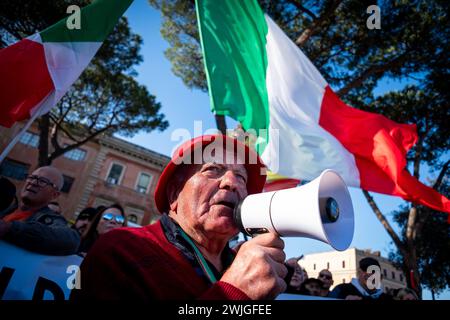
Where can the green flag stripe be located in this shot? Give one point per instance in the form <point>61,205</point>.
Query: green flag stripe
<point>97,21</point>
<point>233,36</point>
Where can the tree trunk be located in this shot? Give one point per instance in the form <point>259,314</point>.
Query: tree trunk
<point>410,264</point>
<point>44,126</point>
<point>221,124</point>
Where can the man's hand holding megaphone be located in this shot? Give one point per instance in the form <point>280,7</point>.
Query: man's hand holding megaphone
<point>258,269</point>
<point>321,209</point>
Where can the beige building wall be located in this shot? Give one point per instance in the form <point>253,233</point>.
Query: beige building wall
<point>343,266</point>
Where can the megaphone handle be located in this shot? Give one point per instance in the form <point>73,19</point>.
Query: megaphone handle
<point>253,232</point>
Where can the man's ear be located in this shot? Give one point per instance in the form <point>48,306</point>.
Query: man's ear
<point>173,206</point>
<point>172,196</point>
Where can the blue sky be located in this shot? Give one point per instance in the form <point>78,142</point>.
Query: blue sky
<point>183,106</point>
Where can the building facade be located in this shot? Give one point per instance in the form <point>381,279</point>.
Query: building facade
<point>344,265</point>
<point>101,172</point>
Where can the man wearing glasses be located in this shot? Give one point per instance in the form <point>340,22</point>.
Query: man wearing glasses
<point>185,255</point>
<point>327,279</point>
<point>32,225</point>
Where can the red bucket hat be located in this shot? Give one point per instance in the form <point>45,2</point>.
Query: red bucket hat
<point>253,164</point>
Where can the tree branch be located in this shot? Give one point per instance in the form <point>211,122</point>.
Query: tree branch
<point>61,151</point>
<point>72,137</point>
<point>54,137</point>
<point>316,23</point>
<point>384,221</point>
<point>303,9</point>
<point>376,69</point>
<point>15,34</point>
<point>441,176</point>
<point>411,226</point>
<point>64,115</point>
<point>417,156</point>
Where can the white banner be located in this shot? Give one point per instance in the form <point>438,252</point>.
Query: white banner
<point>26,275</point>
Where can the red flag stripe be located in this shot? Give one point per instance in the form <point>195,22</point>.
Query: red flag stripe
<point>24,80</point>
<point>379,146</point>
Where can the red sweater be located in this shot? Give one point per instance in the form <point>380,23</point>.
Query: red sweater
<point>140,264</point>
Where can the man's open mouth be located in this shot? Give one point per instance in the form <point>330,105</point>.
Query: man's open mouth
<point>229,204</point>
<point>31,190</point>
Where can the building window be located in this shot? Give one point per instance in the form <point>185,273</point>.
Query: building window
<point>401,278</point>
<point>30,139</point>
<point>67,185</point>
<point>114,173</point>
<point>143,182</point>
<point>314,266</point>
<point>75,154</point>
<point>343,264</point>
<point>13,169</point>
<point>393,275</point>
<point>132,218</point>
<point>385,273</point>
<point>328,265</point>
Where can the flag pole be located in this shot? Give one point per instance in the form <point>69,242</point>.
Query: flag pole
<point>16,139</point>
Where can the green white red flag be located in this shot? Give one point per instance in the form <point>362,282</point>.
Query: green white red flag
<point>37,71</point>
<point>259,77</point>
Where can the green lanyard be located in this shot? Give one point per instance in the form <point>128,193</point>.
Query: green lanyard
<point>201,260</point>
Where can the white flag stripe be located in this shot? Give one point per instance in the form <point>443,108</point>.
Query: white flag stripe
<point>295,90</point>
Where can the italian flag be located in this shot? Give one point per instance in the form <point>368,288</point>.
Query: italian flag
<point>259,77</point>
<point>37,71</point>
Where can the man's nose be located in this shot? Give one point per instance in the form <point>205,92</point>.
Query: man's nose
<point>33,183</point>
<point>230,181</point>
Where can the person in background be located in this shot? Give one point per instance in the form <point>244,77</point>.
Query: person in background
<point>311,287</point>
<point>405,294</point>
<point>327,279</point>
<point>84,219</point>
<point>33,225</point>
<point>105,220</point>
<point>8,199</point>
<point>295,277</point>
<point>359,288</point>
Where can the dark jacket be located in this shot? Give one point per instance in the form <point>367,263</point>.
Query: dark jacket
<point>44,232</point>
<point>347,289</point>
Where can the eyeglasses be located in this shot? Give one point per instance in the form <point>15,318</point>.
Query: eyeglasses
<point>325,276</point>
<point>110,216</point>
<point>41,181</point>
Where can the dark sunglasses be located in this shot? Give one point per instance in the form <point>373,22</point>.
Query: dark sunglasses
<point>41,181</point>
<point>325,276</point>
<point>110,216</point>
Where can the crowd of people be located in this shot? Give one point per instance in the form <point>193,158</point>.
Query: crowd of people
<point>34,222</point>
<point>357,289</point>
<point>186,253</point>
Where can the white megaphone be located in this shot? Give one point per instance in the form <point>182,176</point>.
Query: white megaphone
<point>321,210</point>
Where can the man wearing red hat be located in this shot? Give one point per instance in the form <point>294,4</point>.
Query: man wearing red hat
<point>185,255</point>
